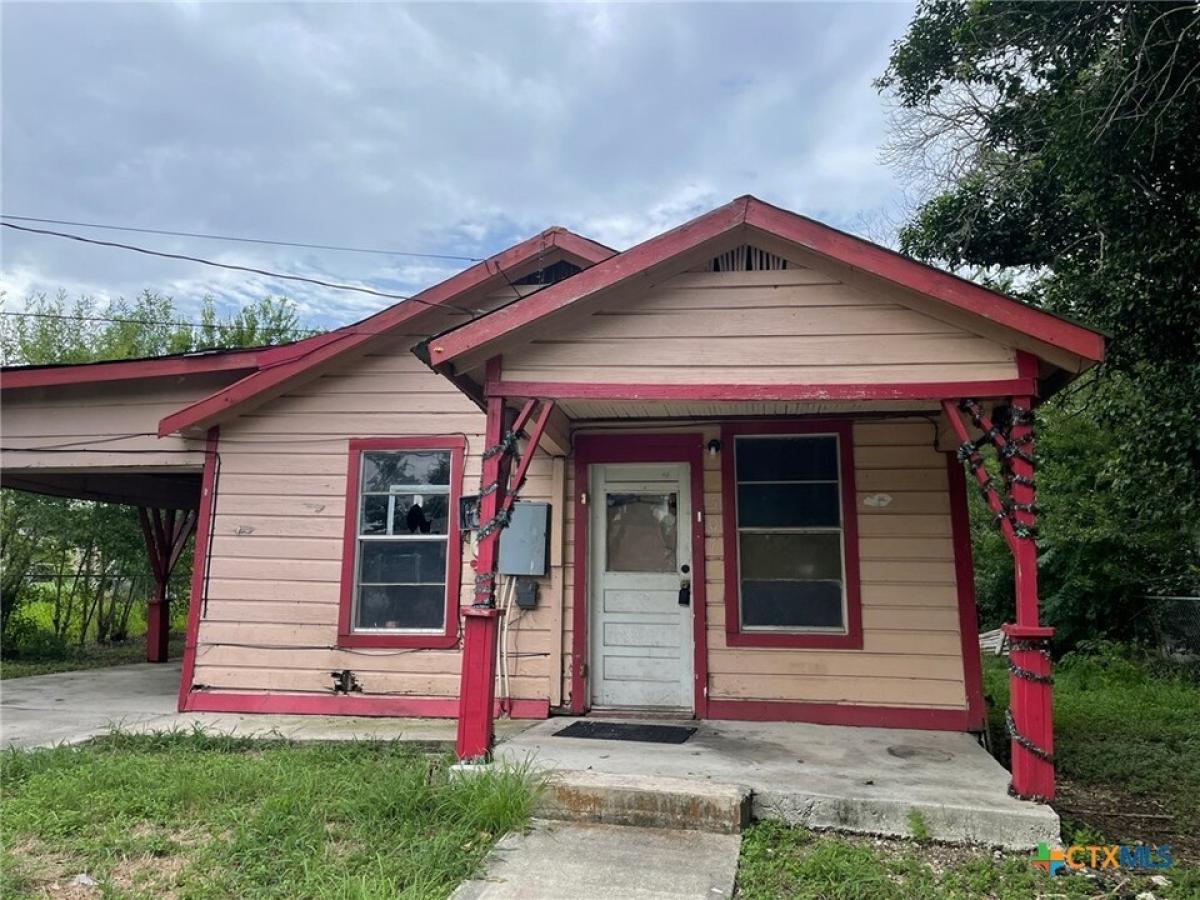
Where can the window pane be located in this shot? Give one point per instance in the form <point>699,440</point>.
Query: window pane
<point>792,604</point>
<point>404,562</point>
<point>383,469</point>
<point>787,459</point>
<point>401,606</point>
<point>783,556</point>
<point>411,513</point>
<point>641,532</point>
<point>788,506</point>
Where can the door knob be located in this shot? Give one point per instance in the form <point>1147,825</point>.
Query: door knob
<point>685,593</point>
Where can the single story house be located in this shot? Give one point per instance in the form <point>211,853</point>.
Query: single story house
<point>737,453</point>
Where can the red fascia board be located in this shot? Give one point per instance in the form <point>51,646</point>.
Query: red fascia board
<point>930,391</point>
<point>924,279</point>
<point>612,271</point>
<point>131,370</point>
<point>283,368</point>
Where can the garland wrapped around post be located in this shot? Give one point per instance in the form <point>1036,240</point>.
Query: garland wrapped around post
<point>1029,717</point>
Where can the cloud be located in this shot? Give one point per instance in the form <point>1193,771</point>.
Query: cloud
<point>446,128</point>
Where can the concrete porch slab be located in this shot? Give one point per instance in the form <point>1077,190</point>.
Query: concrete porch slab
<point>868,780</point>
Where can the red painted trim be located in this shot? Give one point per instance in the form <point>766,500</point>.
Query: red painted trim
<point>931,391</point>
<point>925,279</point>
<point>594,449</point>
<point>348,705</point>
<point>19,377</point>
<point>964,579</point>
<point>345,339</point>
<point>204,528</point>
<point>821,239</point>
<point>852,638</point>
<point>456,445</point>
<point>1027,368</point>
<point>925,718</point>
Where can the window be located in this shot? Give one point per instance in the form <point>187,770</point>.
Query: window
<point>402,551</point>
<point>791,557</point>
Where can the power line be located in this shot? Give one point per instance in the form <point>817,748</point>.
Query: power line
<point>208,262</point>
<point>243,240</point>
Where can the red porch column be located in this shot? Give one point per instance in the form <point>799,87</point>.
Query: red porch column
<point>477,688</point>
<point>165,532</point>
<point>1031,720</point>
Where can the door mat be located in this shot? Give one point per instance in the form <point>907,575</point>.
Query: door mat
<point>621,731</point>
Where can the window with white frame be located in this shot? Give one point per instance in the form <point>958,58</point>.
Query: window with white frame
<point>789,523</point>
<point>402,542</point>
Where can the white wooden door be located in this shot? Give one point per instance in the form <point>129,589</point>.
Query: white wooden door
<point>640,555</point>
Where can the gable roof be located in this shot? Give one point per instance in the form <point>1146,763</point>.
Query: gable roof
<point>750,213</point>
<point>279,371</point>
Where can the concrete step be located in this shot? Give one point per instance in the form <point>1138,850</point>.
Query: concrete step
<point>646,801</point>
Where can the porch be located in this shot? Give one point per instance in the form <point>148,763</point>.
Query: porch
<point>857,779</point>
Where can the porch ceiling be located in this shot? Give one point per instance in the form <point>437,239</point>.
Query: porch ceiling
<point>163,490</point>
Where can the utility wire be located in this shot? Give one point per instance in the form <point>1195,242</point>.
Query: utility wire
<point>208,262</point>
<point>243,240</point>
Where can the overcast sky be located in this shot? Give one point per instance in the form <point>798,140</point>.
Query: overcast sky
<point>456,129</point>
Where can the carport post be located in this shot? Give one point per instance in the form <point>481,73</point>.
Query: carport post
<point>166,533</point>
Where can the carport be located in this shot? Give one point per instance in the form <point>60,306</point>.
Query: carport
<point>89,432</point>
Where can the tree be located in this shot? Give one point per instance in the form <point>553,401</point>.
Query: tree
<point>1054,145</point>
<point>89,551</point>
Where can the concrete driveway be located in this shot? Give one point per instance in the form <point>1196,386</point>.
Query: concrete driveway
<point>69,707</point>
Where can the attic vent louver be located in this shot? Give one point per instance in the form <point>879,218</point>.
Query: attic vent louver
<point>747,259</point>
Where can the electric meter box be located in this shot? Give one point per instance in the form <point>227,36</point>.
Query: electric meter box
<point>525,540</point>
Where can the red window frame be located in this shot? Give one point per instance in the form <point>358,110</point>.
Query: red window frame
<point>456,445</point>
<point>852,637</point>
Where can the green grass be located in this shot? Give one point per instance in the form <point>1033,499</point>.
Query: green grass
<point>1127,743</point>
<point>1119,729</point>
<point>89,656</point>
<point>781,862</point>
<point>194,816</point>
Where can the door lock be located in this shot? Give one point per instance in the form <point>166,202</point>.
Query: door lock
<point>685,593</point>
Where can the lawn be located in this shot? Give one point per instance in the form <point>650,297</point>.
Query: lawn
<point>89,656</point>
<point>1127,742</point>
<point>185,815</point>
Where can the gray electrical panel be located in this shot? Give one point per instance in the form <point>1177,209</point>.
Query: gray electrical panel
<point>523,543</point>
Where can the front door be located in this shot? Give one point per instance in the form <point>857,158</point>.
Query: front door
<point>640,560</point>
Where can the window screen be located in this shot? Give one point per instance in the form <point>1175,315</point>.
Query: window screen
<point>789,530</point>
<point>403,523</point>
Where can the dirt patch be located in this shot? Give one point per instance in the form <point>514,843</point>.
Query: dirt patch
<point>1122,817</point>
<point>47,873</point>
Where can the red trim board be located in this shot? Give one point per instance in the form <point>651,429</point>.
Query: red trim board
<point>964,579</point>
<point>920,717</point>
<point>929,391</point>
<point>343,340</point>
<point>131,369</point>
<point>349,705</point>
<point>204,529</point>
<point>639,448</point>
<point>750,212</point>
<point>347,637</point>
<point>852,637</point>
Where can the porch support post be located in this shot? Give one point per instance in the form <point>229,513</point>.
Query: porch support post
<point>1029,719</point>
<point>477,688</point>
<point>165,533</point>
<point>1031,723</point>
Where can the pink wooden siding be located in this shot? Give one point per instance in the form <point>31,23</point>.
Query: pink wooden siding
<point>911,652</point>
<point>794,325</point>
<point>99,416</point>
<point>271,621</point>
